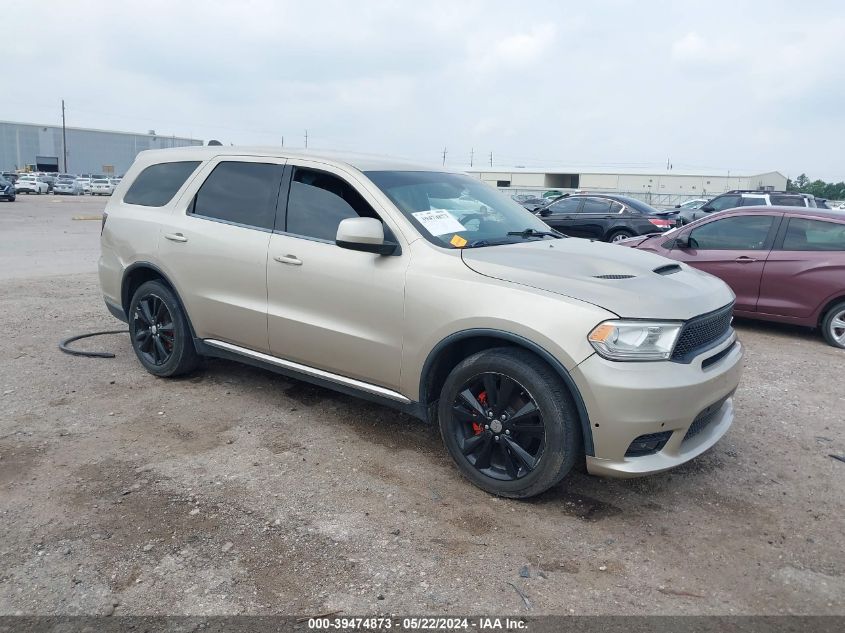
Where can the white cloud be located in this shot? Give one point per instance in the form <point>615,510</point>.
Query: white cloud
<point>733,85</point>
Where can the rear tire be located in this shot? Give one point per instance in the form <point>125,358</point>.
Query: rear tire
<point>833,325</point>
<point>520,440</point>
<point>618,236</point>
<point>159,331</point>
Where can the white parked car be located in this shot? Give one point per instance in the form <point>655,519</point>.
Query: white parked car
<point>102,187</point>
<point>67,186</point>
<point>692,204</point>
<point>85,183</point>
<point>30,183</point>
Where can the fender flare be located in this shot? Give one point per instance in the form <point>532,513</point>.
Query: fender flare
<point>523,342</point>
<point>125,299</point>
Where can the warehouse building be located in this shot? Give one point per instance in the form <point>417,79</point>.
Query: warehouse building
<point>669,182</point>
<point>88,151</point>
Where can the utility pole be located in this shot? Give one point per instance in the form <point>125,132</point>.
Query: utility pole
<point>64,140</point>
<point>471,154</point>
<point>491,159</point>
<point>283,141</point>
<point>306,139</point>
<point>444,156</point>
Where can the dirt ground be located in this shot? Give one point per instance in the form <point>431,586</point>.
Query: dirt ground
<point>237,491</point>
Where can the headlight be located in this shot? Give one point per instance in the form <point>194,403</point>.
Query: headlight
<point>635,340</point>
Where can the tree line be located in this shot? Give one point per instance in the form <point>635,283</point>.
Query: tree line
<point>818,188</point>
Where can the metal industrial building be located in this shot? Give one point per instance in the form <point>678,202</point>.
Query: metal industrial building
<point>684,184</point>
<point>88,151</point>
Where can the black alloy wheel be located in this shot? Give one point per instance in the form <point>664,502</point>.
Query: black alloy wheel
<point>159,330</point>
<point>500,431</point>
<point>509,423</point>
<point>154,330</point>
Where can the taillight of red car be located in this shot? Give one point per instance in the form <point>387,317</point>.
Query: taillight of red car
<point>661,223</point>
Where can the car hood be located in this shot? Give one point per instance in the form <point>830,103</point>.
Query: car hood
<point>621,280</point>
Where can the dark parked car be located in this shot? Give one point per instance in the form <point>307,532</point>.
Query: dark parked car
<point>50,179</point>
<point>7,189</point>
<point>784,264</point>
<point>605,217</point>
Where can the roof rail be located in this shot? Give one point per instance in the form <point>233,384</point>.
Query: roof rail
<point>761,191</point>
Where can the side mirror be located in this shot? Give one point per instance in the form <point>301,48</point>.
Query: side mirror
<point>545,212</point>
<point>363,234</point>
<point>682,241</point>
<point>707,208</point>
<point>677,206</point>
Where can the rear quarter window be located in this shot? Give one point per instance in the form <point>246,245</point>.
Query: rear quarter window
<point>157,184</point>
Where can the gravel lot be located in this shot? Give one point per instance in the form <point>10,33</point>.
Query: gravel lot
<point>235,490</point>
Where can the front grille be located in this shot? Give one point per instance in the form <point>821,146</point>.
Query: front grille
<point>702,332</point>
<point>703,419</point>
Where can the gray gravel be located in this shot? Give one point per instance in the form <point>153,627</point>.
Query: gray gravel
<point>237,491</point>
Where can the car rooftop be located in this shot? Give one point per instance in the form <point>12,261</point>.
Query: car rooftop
<point>361,162</point>
<point>829,214</point>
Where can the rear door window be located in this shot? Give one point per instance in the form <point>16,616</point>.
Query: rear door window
<point>814,235</point>
<point>754,201</point>
<point>596,205</point>
<point>240,193</point>
<point>157,184</point>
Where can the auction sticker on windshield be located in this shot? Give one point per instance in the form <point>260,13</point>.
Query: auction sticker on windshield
<point>439,222</point>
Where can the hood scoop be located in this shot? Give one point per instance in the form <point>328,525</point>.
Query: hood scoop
<point>614,276</point>
<point>668,269</point>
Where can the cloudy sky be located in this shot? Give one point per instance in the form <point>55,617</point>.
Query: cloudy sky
<point>710,85</point>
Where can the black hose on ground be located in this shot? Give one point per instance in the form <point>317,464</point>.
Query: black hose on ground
<point>63,345</point>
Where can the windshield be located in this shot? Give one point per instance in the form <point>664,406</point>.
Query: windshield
<point>457,211</point>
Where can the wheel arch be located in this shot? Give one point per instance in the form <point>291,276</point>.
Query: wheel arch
<point>840,298</point>
<point>142,272</point>
<point>458,346</point>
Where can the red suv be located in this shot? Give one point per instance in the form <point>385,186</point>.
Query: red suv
<point>783,263</point>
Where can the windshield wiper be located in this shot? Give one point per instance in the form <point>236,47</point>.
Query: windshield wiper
<point>534,233</point>
<point>488,242</point>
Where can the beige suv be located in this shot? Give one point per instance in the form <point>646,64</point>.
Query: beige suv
<point>428,291</point>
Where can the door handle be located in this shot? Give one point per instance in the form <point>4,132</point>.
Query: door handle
<point>744,260</point>
<point>292,260</point>
<point>175,237</point>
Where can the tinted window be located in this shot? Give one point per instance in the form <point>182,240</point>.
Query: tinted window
<point>724,202</point>
<point>243,193</point>
<point>814,235</point>
<point>595,205</point>
<point>567,205</point>
<point>753,202</point>
<point>788,201</point>
<point>319,201</point>
<point>635,205</point>
<point>157,184</point>
<point>745,232</point>
<point>616,207</point>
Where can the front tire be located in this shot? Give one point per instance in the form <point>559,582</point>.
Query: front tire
<point>508,422</point>
<point>159,330</point>
<point>833,326</point>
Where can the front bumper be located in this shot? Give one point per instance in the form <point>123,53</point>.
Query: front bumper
<point>626,400</point>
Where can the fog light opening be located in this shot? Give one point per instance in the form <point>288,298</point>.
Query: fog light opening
<point>648,444</point>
